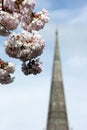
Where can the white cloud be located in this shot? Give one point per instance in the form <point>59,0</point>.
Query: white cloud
<point>23,108</point>
<point>81,16</point>
<point>77,62</point>
<point>76,97</point>
<point>72,35</point>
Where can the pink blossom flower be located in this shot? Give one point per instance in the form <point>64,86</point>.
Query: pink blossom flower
<point>19,6</point>
<point>6,68</point>
<point>6,79</point>
<point>32,67</point>
<point>9,21</point>
<point>35,21</point>
<point>25,45</point>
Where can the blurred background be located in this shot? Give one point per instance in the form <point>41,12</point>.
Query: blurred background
<point>24,103</point>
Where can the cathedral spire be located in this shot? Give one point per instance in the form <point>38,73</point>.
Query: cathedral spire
<point>57,115</point>
<point>56,46</point>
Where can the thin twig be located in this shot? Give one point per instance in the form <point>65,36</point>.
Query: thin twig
<point>3,5</point>
<point>5,28</point>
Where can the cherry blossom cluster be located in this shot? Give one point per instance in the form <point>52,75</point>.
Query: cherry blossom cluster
<point>12,12</point>
<point>26,45</point>
<point>32,67</point>
<point>6,69</point>
<point>7,22</point>
<point>35,21</point>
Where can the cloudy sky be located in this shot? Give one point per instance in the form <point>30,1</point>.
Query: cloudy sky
<point>24,103</point>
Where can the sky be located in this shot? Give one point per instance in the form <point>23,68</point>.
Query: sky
<point>24,103</point>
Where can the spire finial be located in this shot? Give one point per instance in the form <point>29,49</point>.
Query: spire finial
<point>56,32</point>
<point>56,54</point>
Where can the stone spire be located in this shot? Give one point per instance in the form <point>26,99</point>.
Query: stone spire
<point>57,115</point>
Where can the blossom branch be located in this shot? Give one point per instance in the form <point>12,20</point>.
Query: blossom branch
<point>3,5</point>
<point>5,28</point>
<point>27,45</point>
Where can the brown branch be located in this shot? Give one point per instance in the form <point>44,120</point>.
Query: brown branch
<point>3,5</point>
<point>5,28</point>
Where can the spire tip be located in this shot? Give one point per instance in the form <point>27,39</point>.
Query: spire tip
<point>56,31</point>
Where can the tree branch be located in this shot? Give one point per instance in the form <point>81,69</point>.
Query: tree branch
<point>3,5</point>
<point>5,28</point>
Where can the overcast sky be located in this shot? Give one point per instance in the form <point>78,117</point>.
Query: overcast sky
<point>24,103</point>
